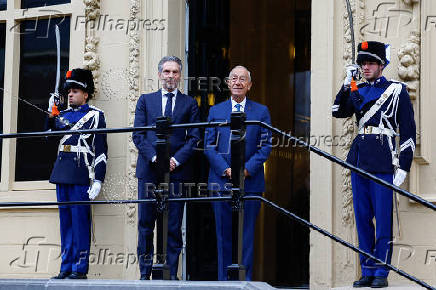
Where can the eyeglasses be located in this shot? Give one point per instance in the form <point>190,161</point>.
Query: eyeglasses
<point>235,78</point>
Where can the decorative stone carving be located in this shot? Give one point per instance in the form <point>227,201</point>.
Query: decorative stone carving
<point>91,59</point>
<point>410,2</point>
<point>347,129</point>
<point>409,56</point>
<point>92,9</point>
<point>348,133</point>
<point>133,82</point>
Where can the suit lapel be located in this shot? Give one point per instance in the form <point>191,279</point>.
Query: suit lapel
<point>158,103</point>
<point>248,109</point>
<point>229,109</point>
<point>178,105</point>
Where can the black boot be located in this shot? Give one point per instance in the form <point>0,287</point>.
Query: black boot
<point>61,275</point>
<point>77,275</point>
<point>365,281</point>
<point>379,282</point>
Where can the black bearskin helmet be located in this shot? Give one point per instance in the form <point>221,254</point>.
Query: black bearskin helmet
<point>372,51</point>
<point>80,79</point>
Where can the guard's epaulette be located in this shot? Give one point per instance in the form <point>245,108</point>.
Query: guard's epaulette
<point>67,110</point>
<point>96,109</point>
<point>398,82</point>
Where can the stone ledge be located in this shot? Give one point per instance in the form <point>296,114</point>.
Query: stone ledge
<point>391,287</point>
<point>37,284</point>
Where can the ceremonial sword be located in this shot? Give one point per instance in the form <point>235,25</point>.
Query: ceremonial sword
<point>55,94</point>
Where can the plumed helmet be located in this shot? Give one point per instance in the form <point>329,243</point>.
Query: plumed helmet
<point>372,51</point>
<point>79,79</point>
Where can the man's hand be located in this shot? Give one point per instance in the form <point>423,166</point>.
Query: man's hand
<point>246,173</point>
<point>352,71</point>
<point>94,190</point>
<point>173,164</point>
<point>399,177</point>
<point>228,172</point>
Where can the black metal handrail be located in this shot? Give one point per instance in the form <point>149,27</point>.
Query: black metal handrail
<point>347,165</point>
<point>228,198</point>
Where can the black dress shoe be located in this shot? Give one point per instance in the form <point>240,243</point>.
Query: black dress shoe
<point>174,277</point>
<point>365,281</point>
<point>144,277</point>
<point>61,275</point>
<point>379,282</point>
<point>77,275</point>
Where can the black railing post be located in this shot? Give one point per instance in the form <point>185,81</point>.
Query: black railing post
<point>160,269</point>
<point>236,271</point>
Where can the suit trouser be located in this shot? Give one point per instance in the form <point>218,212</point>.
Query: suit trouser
<point>147,215</point>
<point>373,200</point>
<point>75,228</point>
<point>223,222</point>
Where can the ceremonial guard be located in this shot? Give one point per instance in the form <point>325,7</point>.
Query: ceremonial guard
<point>79,170</point>
<point>383,111</point>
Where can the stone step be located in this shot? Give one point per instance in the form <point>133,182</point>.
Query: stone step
<point>393,287</point>
<point>40,284</point>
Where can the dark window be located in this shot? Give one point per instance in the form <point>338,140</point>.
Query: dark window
<point>35,157</point>
<point>2,78</point>
<point>3,5</point>
<point>41,3</point>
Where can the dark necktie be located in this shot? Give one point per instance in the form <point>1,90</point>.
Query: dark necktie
<point>169,105</point>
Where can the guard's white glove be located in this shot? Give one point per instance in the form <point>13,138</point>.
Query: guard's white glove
<point>94,190</point>
<point>399,177</point>
<point>352,71</point>
<point>51,102</point>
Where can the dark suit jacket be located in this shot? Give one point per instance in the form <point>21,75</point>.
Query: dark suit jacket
<point>183,142</point>
<point>257,148</point>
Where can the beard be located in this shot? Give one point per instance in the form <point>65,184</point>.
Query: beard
<point>170,84</point>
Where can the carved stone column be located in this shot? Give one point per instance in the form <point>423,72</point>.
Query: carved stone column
<point>348,132</point>
<point>91,59</point>
<point>133,81</point>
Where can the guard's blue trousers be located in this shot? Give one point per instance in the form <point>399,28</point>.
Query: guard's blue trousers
<point>147,215</point>
<point>223,223</point>
<point>75,224</point>
<point>373,200</point>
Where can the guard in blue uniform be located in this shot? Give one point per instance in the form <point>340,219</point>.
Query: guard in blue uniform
<point>383,111</point>
<point>78,172</point>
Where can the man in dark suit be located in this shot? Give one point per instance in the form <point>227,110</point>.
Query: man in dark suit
<point>217,150</point>
<point>172,103</point>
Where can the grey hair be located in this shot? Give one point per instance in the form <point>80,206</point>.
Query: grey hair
<point>169,58</point>
<point>241,66</point>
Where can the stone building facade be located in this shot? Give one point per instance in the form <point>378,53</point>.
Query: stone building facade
<point>122,42</point>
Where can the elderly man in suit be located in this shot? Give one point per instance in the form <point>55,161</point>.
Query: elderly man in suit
<point>257,150</point>
<point>180,108</point>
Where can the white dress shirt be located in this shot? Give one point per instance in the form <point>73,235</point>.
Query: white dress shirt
<point>165,99</point>
<point>164,104</point>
